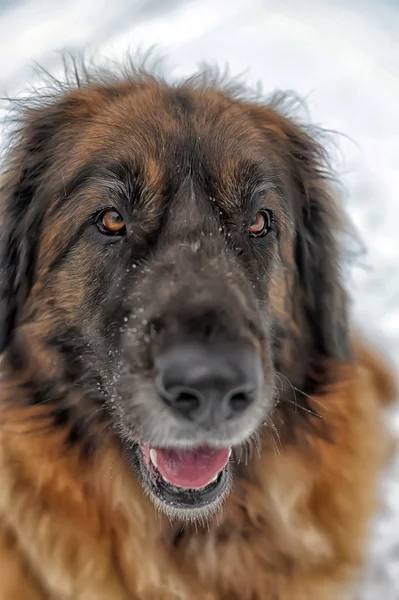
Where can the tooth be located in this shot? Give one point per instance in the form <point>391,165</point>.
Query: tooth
<point>153,456</point>
<point>230,451</point>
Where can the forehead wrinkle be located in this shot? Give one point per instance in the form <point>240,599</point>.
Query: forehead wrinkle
<point>88,176</point>
<point>240,185</point>
<point>98,179</point>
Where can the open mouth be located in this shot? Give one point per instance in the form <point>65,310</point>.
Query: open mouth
<point>186,479</point>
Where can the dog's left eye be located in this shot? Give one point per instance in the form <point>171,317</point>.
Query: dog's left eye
<point>110,222</point>
<point>261,224</point>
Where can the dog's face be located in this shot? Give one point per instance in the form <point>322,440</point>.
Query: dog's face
<point>168,252</point>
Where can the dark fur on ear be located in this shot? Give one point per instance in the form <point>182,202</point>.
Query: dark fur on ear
<point>21,221</point>
<point>317,255</point>
<point>22,199</point>
<point>318,300</point>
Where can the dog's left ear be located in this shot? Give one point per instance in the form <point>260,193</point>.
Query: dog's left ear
<point>317,255</point>
<point>317,223</point>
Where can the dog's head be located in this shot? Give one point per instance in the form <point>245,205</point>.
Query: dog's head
<point>168,258</point>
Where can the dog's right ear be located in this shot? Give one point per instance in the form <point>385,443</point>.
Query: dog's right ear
<point>23,195</point>
<point>21,214</point>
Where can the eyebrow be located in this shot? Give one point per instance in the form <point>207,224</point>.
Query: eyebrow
<point>114,178</point>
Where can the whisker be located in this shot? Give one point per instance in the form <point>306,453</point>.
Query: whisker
<point>295,402</point>
<point>307,410</point>
<point>290,384</point>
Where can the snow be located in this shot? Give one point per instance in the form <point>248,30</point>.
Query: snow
<point>342,56</point>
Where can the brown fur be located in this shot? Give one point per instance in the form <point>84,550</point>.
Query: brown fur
<point>295,531</point>
<point>74,522</point>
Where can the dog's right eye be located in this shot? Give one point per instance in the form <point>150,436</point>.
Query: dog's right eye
<point>110,222</point>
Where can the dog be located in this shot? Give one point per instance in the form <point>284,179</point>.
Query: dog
<point>186,410</point>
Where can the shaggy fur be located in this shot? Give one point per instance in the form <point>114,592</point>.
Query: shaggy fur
<point>83,320</point>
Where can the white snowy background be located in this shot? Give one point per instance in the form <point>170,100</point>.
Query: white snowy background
<point>342,56</point>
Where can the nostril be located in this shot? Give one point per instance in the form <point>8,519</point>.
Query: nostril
<point>186,400</point>
<point>240,401</point>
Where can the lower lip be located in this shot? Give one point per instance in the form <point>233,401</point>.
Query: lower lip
<point>186,469</point>
<point>184,498</point>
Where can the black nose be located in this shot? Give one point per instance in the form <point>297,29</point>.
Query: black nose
<point>208,385</point>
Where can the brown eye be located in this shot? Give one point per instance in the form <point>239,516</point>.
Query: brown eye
<point>261,224</point>
<point>110,222</point>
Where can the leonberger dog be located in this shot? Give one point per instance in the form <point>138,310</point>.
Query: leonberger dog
<point>186,411</point>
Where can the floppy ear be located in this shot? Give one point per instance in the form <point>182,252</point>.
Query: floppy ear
<point>22,203</point>
<point>16,266</point>
<point>317,256</point>
<point>317,221</point>
<point>20,218</point>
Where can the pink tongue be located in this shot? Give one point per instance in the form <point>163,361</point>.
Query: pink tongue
<point>191,468</point>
